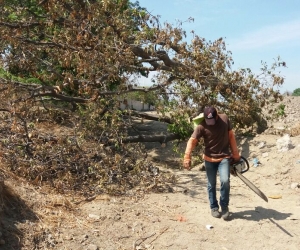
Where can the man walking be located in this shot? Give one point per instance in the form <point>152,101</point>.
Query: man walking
<point>218,136</point>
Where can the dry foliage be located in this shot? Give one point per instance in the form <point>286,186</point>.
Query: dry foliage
<point>66,62</point>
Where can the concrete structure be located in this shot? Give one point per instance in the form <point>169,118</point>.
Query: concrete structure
<point>135,105</point>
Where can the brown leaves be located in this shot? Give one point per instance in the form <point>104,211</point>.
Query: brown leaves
<point>93,52</point>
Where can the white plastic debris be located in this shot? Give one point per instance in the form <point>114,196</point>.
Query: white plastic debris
<point>208,227</point>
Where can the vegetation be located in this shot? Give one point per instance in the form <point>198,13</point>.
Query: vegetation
<point>281,110</point>
<point>66,62</point>
<point>296,92</point>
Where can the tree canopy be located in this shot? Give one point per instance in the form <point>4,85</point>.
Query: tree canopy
<point>88,53</point>
<point>296,92</point>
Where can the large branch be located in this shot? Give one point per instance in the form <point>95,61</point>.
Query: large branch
<point>150,138</point>
<point>168,63</point>
<point>166,59</point>
<point>151,116</point>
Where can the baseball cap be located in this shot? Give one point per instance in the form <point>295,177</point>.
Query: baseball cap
<point>210,114</point>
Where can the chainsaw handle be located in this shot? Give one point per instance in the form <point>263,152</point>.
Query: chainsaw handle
<point>244,160</point>
<point>247,164</point>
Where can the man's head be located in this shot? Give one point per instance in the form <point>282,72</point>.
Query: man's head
<point>210,114</point>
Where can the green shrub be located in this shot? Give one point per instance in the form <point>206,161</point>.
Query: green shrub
<point>296,92</point>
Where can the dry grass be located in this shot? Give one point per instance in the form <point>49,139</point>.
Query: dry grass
<point>295,130</point>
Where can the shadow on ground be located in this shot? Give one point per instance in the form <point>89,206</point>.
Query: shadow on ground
<point>13,211</point>
<point>260,213</point>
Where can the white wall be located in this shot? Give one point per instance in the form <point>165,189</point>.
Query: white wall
<point>135,105</point>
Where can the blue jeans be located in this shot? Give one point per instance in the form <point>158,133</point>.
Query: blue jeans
<point>212,169</point>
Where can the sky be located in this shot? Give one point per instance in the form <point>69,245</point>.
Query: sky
<point>254,30</point>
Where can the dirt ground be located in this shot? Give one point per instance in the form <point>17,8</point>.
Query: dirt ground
<point>178,219</point>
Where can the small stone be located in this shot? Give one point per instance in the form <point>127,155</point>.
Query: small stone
<point>69,237</point>
<point>92,247</point>
<point>2,242</point>
<point>94,216</point>
<point>117,217</point>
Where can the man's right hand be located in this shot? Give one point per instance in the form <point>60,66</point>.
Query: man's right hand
<point>187,165</point>
<point>192,142</point>
<point>187,162</point>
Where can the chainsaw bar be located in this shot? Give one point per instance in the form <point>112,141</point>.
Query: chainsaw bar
<point>252,186</point>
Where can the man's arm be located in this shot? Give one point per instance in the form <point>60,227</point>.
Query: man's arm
<point>191,144</point>
<point>233,146</point>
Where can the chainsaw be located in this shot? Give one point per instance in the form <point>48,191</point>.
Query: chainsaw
<point>241,167</point>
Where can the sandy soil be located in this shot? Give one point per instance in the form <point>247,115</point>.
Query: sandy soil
<point>178,219</point>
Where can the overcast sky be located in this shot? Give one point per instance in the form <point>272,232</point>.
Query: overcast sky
<point>254,30</point>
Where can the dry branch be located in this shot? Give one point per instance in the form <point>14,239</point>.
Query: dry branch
<point>150,138</point>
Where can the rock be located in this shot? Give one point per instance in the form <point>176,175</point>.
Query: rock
<point>2,242</point>
<point>284,143</point>
<point>92,247</point>
<point>117,217</point>
<point>94,216</point>
<point>69,237</point>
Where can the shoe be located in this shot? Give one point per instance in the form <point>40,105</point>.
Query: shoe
<point>215,212</point>
<point>225,213</point>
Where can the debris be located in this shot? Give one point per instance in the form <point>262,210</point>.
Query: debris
<point>138,242</point>
<point>153,170</point>
<point>261,145</point>
<point>208,227</point>
<point>255,162</point>
<point>180,218</point>
<point>264,155</point>
<point>275,196</point>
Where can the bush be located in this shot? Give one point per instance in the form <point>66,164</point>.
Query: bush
<point>296,92</point>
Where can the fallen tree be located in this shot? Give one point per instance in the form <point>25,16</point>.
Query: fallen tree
<point>70,62</point>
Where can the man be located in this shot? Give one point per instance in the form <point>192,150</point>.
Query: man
<point>218,135</point>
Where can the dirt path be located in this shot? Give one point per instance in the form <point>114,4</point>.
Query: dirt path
<point>179,220</point>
